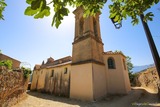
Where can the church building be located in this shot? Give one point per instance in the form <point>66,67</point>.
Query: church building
<point>90,74</point>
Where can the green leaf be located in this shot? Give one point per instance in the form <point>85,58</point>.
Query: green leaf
<point>41,14</point>
<point>58,22</point>
<point>135,21</point>
<point>57,19</point>
<point>65,11</point>
<point>43,5</point>
<point>148,16</point>
<point>2,7</point>
<point>29,1</point>
<point>112,15</point>
<point>36,4</point>
<point>156,1</point>
<point>124,14</point>
<point>117,17</point>
<point>86,13</point>
<point>30,12</point>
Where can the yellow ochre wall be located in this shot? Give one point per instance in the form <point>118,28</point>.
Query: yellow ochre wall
<point>88,81</point>
<point>35,79</point>
<point>117,79</point>
<point>42,78</point>
<point>81,85</point>
<point>99,81</point>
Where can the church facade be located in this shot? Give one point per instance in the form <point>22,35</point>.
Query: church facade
<point>90,74</point>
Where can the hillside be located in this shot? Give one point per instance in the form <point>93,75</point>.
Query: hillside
<point>147,78</point>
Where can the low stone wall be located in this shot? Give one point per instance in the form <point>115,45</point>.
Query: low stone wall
<point>13,87</point>
<point>148,78</point>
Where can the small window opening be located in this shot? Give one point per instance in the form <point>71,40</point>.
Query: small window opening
<point>111,63</point>
<point>52,75</point>
<point>65,71</point>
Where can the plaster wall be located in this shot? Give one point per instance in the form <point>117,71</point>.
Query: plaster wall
<point>41,80</point>
<point>35,79</point>
<point>99,81</point>
<point>117,79</point>
<point>51,79</point>
<point>56,79</point>
<point>81,82</point>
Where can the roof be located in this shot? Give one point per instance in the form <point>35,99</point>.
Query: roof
<point>37,67</point>
<point>69,62</point>
<point>54,63</point>
<point>5,57</point>
<point>114,53</point>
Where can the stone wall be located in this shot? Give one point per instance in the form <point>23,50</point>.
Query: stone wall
<point>15,63</point>
<point>148,78</point>
<point>12,87</point>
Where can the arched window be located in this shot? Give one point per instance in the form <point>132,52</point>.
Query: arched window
<point>111,63</point>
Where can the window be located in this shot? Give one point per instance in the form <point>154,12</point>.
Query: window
<point>111,63</point>
<point>65,70</point>
<point>52,74</point>
<point>124,63</point>
<point>95,26</point>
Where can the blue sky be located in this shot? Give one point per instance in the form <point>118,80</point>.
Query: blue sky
<point>31,40</point>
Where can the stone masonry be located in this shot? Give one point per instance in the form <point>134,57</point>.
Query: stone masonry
<point>12,87</point>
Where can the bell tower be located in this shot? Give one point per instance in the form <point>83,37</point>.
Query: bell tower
<point>88,75</point>
<point>87,45</point>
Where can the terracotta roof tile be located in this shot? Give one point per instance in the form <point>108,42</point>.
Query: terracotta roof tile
<point>56,62</point>
<point>37,67</point>
<point>114,53</point>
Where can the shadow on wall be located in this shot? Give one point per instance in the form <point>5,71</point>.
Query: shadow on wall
<point>57,85</point>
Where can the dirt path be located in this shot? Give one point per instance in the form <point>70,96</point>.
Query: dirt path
<point>137,97</point>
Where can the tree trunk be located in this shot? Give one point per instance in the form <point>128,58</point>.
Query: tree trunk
<point>153,49</point>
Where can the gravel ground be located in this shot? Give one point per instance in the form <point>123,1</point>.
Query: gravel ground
<point>138,97</point>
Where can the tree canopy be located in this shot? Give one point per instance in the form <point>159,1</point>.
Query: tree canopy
<point>129,63</point>
<point>40,8</point>
<point>2,7</point>
<point>119,9</point>
<point>130,72</point>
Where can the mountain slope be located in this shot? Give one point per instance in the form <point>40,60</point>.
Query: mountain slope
<point>141,68</point>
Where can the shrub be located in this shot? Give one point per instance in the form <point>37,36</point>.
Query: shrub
<point>26,72</point>
<point>6,63</point>
<point>132,77</point>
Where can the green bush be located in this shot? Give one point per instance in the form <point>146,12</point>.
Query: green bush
<point>6,63</point>
<point>26,72</point>
<point>132,77</point>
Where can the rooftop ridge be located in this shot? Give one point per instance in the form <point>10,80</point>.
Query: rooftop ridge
<point>116,52</point>
<point>9,57</point>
